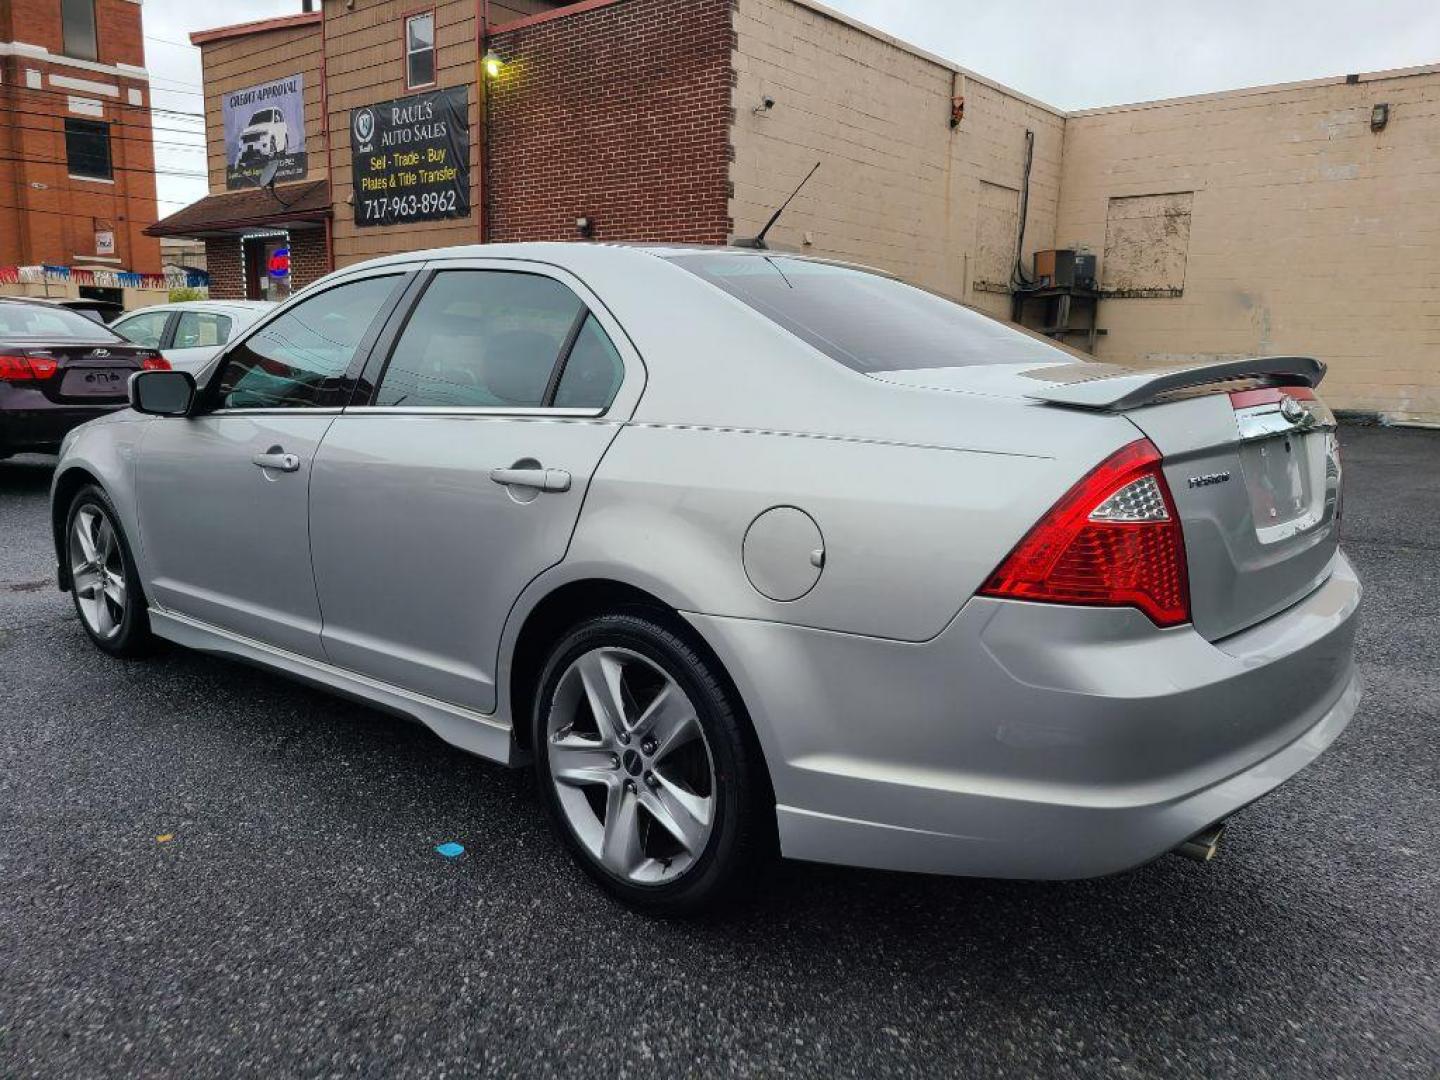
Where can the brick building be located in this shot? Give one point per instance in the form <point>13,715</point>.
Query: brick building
<point>1278,219</point>
<point>77,183</point>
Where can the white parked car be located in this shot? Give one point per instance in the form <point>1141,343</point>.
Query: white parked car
<point>266,134</point>
<point>190,334</point>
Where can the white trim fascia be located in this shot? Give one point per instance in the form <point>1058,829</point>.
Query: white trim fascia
<point>39,52</point>
<point>85,86</point>
<point>83,106</point>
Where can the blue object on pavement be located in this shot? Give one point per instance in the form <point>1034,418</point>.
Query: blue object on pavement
<point>451,849</point>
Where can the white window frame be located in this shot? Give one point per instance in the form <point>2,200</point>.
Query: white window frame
<point>433,50</point>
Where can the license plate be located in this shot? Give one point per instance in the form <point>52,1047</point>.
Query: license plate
<point>94,382</point>
<point>1284,476</point>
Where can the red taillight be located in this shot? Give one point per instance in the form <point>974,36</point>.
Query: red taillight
<point>1113,540</point>
<point>26,368</point>
<point>155,362</point>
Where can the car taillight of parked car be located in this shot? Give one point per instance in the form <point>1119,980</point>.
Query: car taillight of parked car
<point>1113,540</point>
<point>25,368</point>
<point>155,363</point>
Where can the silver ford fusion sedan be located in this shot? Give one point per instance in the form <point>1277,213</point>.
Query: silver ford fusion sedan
<point>747,550</point>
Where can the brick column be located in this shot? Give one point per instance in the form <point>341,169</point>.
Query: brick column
<point>226,264</point>
<point>308,258</point>
<point>620,114</point>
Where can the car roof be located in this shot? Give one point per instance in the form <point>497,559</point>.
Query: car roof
<point>573,255</point>
<point>207,305</point>
<point>32,300</point>
<point>554,251</point>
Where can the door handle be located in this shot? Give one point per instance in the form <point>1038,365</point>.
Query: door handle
<point>277,461</point>
<point>539,479</point>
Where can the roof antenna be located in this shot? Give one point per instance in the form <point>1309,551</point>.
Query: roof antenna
<point>758,242</point>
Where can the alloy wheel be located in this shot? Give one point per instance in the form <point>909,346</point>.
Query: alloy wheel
<point>97,572</point>
<point>632,769</point>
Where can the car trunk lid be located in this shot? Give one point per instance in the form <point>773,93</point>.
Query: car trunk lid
<point>1249,455</point>
<point>86,372</point>
<point>1255,475</point>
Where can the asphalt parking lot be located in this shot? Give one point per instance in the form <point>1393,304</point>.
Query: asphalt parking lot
<point>300,922</point>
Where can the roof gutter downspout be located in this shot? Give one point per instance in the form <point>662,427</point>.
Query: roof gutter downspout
<point>325,138</point>
<point>482,95</point>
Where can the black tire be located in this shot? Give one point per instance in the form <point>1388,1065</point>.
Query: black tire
<point>132,637</point>
<point>742,829</point>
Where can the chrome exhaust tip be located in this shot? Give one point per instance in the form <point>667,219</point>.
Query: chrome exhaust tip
<point>1203,846</point>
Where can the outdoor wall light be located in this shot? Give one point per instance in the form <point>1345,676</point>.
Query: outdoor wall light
<point>1379,117</point>
<point>492,63</point>
<point>585,226</point>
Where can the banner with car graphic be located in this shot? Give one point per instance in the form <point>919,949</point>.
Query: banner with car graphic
<point>411,158</point>
<point>265,124</point>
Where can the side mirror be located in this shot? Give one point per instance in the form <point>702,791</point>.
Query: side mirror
<point>162,393</point>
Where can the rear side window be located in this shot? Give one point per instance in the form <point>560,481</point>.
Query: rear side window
<point>593,370</point>
<point>300,359</point>
<point>147,328</point>
<point>867,321</point>
<point>198,329</point>
<point>481,338</point>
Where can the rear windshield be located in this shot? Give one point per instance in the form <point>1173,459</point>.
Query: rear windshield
<point>865,320</point>
<point>44,321</point>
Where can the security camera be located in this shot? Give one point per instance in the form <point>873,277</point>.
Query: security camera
<point>766,104</point>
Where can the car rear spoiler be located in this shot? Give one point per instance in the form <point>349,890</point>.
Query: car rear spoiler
<point>1112,388</point>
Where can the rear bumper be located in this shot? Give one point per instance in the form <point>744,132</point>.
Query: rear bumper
<point>1037,741</point>
<point>40,430</point>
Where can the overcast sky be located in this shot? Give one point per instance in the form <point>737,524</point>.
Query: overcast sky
<point>1072,55</point>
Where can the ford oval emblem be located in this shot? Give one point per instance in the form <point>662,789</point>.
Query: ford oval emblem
<point>1296,411</point>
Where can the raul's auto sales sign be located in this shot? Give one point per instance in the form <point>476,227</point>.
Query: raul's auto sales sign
<point>411,158</point>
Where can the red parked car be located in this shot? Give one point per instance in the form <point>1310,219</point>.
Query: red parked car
<point>58,369</point>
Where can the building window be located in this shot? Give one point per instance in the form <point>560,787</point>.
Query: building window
<point>77,20</point>
<point>87,149</point>
<point>420,49</point>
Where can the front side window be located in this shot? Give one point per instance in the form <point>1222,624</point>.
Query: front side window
<point>300,359</point>
<point>482,338</point>
<point>420,50</point>
<point>77,29</point>
<point>147,328</point>
<point>867,321</point>
<point>87,149</point>
<point>198,329</point>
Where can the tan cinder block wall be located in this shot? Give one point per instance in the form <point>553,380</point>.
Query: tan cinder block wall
<point>1309,233</point>
<point>898,188</point>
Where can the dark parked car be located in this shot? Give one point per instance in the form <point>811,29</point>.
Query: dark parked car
<point>58,369</point>
<point>101,311</point>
